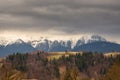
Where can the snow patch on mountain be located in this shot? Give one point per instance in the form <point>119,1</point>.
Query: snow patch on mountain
<point>70,43</point>
<point>3,42</point>
<point>96,38</point>
<point>18,41</point>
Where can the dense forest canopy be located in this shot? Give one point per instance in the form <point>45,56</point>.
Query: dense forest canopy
<point>78,66</point>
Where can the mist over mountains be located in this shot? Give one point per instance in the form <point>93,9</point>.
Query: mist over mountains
<point>94,43</point>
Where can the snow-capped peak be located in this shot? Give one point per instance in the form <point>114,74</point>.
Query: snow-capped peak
<point>3,42</point>
<point>89,39</point>
<point>35,43</point>
<point>95,38</point>
<point>71,42</point>
<point>18,41</point>
<point>9,42</point>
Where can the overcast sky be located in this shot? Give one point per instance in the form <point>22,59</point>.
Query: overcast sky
<point>48,18</point>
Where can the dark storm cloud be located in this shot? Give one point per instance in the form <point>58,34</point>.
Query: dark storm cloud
<point>68,16</point>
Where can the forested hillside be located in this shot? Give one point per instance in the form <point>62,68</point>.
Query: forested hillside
<point>85,66</point>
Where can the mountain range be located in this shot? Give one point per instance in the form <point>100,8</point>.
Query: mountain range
<point>93,43</point>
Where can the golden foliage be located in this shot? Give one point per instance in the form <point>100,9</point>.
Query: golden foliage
<point>113,73</point>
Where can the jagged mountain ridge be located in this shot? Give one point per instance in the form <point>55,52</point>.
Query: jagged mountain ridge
<point>69,43</point>
<point>83,44</point>
<point>100,46</point>
<point>14,47</point>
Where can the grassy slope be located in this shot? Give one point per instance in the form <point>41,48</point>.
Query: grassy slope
<point>112,54</point>
<point>57,55</point>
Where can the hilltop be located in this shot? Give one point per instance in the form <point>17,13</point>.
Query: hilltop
<point>69,66</point>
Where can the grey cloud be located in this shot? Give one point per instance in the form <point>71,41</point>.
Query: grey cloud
<point>68,16</point>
